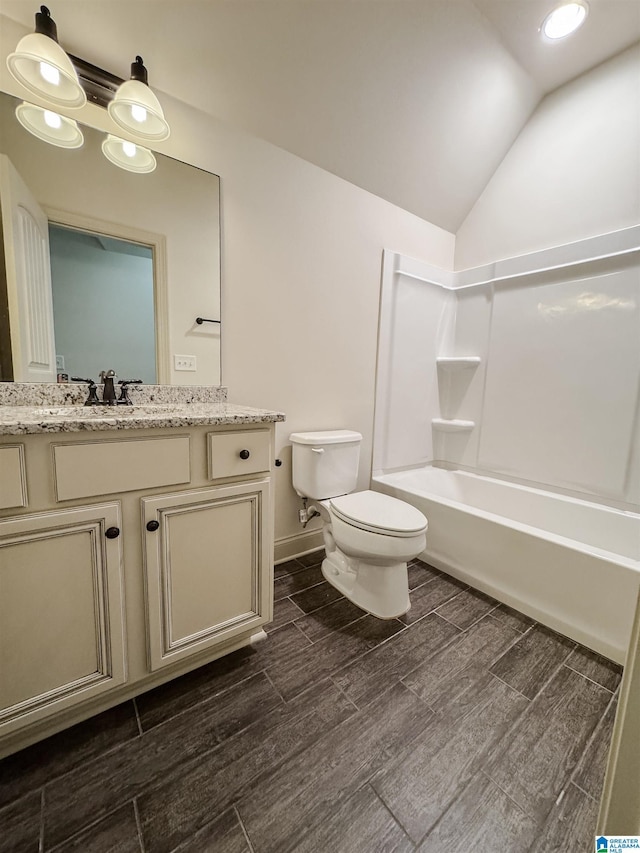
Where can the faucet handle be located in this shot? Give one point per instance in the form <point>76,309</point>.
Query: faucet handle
<point>124,399</point>
<point>92,399</point>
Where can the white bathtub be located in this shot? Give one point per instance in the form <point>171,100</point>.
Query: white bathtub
<point>571,564</point>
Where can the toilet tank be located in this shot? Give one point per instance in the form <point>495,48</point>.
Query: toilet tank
<point>325,464</point>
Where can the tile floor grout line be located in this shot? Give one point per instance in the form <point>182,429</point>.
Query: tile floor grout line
<point>592,737</point>
<point>348,698</point>
<point>582,790</point>
<point>510,686</point>
<point>445,646</point>
<point>322,636</point>
<point>73,769</point>
<point>292,560</point>
<point>177,771</point>
<point>448,621</point>
<point>418,697</point>
<point>138,720</point>
<point>12,803</point>
<point>508,734</point>
<point>182,770</point>
<point>517,630</point>
<point>243,828</point>
<point>509,797</point>
<point>297,591</point>
<point>41,836</point>
<point>297,606</point>
<point>394,817</point>
<point>299,629</point>
<point>444,813</point>
<point>592,680</point>
<point>403,630</point>
<point>549,678</point>
<point>270,680</point>
<point>201,702</point>
<point>138,825</point>
<point>60,845</point>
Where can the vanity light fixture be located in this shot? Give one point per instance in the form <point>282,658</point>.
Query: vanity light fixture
<point>127,155</point>
<point>66,81</point>
<point>49,126</point>
<point>136,109</point>
<point>564,20</point>
<point>42,66</point>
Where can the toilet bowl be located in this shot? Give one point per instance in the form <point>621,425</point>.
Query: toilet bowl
<point>368,539</point>
<point>368,536</point>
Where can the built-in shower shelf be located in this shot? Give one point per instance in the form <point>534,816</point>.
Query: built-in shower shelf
<point>452,425</point>
<point>458,362</point>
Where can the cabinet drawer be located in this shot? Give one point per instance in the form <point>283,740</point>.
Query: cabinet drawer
<point>228,453</point>
<point>105,467</point>
<point>13,490</point>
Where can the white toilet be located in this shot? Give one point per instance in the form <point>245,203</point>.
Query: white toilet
<point>368,536</point>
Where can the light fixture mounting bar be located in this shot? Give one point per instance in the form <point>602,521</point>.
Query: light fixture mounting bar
<point>99,85</point>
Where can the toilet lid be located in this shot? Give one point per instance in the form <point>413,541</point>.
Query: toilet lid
<point>379,513</point>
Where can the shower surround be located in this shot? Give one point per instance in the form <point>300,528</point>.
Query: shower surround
<point>519,383</point>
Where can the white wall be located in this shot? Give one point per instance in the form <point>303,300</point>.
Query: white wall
<point>573,172</point>
<point>301,256</point>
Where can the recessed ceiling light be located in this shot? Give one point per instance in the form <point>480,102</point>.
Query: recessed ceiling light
<point>564,20</point>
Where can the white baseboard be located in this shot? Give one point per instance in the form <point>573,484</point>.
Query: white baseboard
<point>295,546</point>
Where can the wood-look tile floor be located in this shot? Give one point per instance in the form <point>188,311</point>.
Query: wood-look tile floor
<point>461,726</point>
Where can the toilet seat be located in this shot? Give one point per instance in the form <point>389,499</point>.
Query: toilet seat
<point>378,513</point>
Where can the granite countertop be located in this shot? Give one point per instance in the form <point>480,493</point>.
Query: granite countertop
<point>29,408</point>
<point>27,420</point>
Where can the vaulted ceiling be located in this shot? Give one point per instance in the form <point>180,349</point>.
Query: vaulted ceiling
<point>416,101</point>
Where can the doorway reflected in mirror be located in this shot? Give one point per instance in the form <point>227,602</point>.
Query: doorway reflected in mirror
<point>103,311</point>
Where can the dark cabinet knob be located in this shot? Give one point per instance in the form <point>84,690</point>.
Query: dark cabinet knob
<point>244,454</point>
<point>278,463</point>
<point>152,526</point>
<point>112,532</point>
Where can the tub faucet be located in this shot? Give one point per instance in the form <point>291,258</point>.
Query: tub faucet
<point>109,392</point>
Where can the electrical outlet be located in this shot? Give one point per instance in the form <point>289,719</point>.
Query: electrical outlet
<point>184,362</point>
<point>60,362</point>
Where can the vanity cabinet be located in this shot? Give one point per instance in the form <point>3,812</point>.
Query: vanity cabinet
<point>61,611</point>
<point>205,559</point>
<point>135,557</point>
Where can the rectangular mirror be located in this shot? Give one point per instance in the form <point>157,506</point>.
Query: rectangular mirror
<point>93,224</point>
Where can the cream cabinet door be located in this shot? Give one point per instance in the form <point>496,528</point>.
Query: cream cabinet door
<point>61,611</point>
<point>208,567</point>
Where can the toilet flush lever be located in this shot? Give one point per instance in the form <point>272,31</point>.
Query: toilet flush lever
<point>318,449</point>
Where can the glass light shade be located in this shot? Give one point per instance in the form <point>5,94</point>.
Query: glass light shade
<point>128,155</point>
<point>42,67</point>
<point>136,109</point>
<point>49,127</point>
<point>564,20</point>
